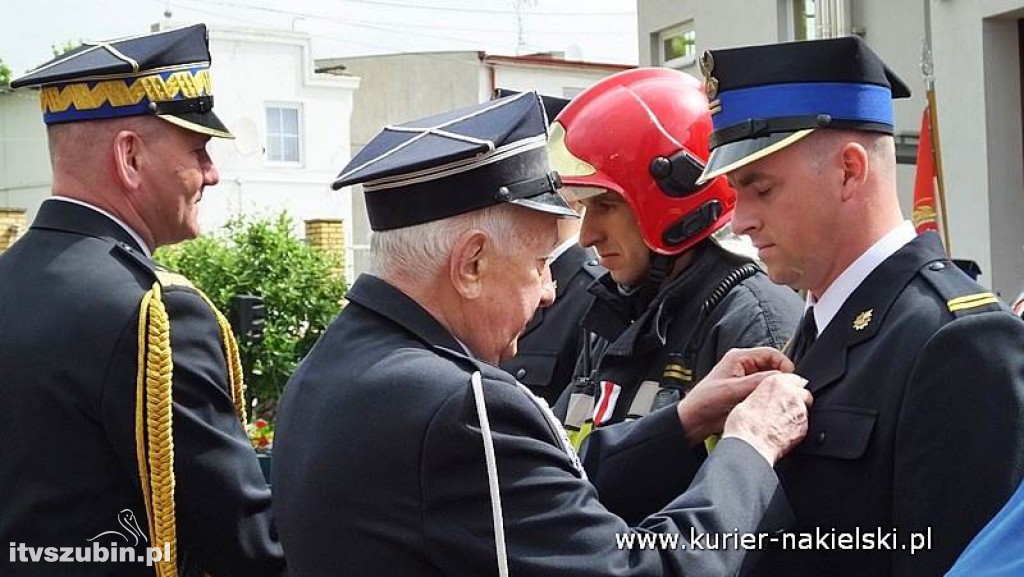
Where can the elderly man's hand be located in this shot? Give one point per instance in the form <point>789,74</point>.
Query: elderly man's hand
<point>704,409</point>
<point>773,419</point>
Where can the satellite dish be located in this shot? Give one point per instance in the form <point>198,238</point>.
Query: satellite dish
<point>247,137</point>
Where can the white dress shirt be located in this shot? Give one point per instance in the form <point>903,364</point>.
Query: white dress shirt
<point>826,308</point>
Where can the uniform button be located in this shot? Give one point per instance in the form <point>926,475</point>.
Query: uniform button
<point>520,374</point>
<point>821,438</point>
<point>937,266</point>
<point>591,263</point>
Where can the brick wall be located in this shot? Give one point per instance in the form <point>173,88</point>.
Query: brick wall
<point>328,235</point>
<point>12,226</point>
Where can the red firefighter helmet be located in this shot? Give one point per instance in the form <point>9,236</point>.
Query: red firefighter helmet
<point>643,133</point>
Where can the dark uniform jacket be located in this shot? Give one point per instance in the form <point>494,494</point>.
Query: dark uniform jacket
<point>633,349</point>
<point>70,292</point>
<point>917,422</point>
<point>380,466</point>
<point>551,342</point>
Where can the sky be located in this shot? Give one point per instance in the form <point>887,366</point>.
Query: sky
<point>593,30</point>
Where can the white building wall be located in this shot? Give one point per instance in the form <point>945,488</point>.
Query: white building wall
<point>719,24</point>
<point>396,88</point>
<point>961,104</point>
<point>253,69</point>
<point>895,30</point>
<point>1002,66</point>
<point>551,81</point>
<point>979,100</point>
<point>24,159</point>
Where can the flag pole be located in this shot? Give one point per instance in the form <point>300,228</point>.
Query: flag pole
<point>928,70</point>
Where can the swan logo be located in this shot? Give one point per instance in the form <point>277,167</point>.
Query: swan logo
<point>97,553</point>
<point>131,533</point>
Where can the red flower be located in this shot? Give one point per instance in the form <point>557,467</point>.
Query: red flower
<point>260,423</point>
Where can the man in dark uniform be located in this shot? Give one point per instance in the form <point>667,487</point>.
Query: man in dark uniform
<point>674,301</point>
<point>551,342</point>
<point>122,407</point>
<point>402,449</point>
<point>917,371</point>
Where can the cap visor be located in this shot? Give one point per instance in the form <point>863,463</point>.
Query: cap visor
<point>729,157</point>
<point>201,122</point>
<point>549,202</point>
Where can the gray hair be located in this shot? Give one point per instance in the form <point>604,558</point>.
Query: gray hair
<point>76,144</point>
<point>417,253</point>
<point>881,148</point>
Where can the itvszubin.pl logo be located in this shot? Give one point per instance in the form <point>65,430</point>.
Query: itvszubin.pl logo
<point>125,552</point>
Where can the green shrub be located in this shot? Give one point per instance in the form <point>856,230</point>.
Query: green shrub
<point>300,286</point>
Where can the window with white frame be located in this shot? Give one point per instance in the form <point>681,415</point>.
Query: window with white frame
<point>804,20</point>
<point>797,20</point>
<point>677,46</point>
<point>284,135</point>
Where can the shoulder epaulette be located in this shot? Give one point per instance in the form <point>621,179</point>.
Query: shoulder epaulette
<point>168,278</point>
<point>131,256</point>
<point>963,296</point>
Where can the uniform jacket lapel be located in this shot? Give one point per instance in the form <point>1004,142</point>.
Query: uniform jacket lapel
<point>864,313</point>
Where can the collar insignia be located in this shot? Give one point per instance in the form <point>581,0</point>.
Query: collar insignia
<point>863,320</point>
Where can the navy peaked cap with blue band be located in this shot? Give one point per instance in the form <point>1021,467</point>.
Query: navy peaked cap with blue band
<point>165,74</point>
<point>457,162</point>
<point>764,98</point>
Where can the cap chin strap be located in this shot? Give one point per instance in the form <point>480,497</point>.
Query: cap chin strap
<point>200,104</point>
<point>549,182</point>
<point>660,269</point>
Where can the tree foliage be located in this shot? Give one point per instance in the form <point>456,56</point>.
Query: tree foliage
<point>301,287</point>
<point>5,73</point>
<point>64,48</point>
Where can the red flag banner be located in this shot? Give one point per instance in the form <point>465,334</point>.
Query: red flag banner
<point>925,183</point>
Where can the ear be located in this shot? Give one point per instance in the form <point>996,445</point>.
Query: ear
<point>855,168</point>
<point>468,263</point>
<point>127,158</point>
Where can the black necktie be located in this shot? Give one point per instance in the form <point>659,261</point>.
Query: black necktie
<point>804,338</point>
